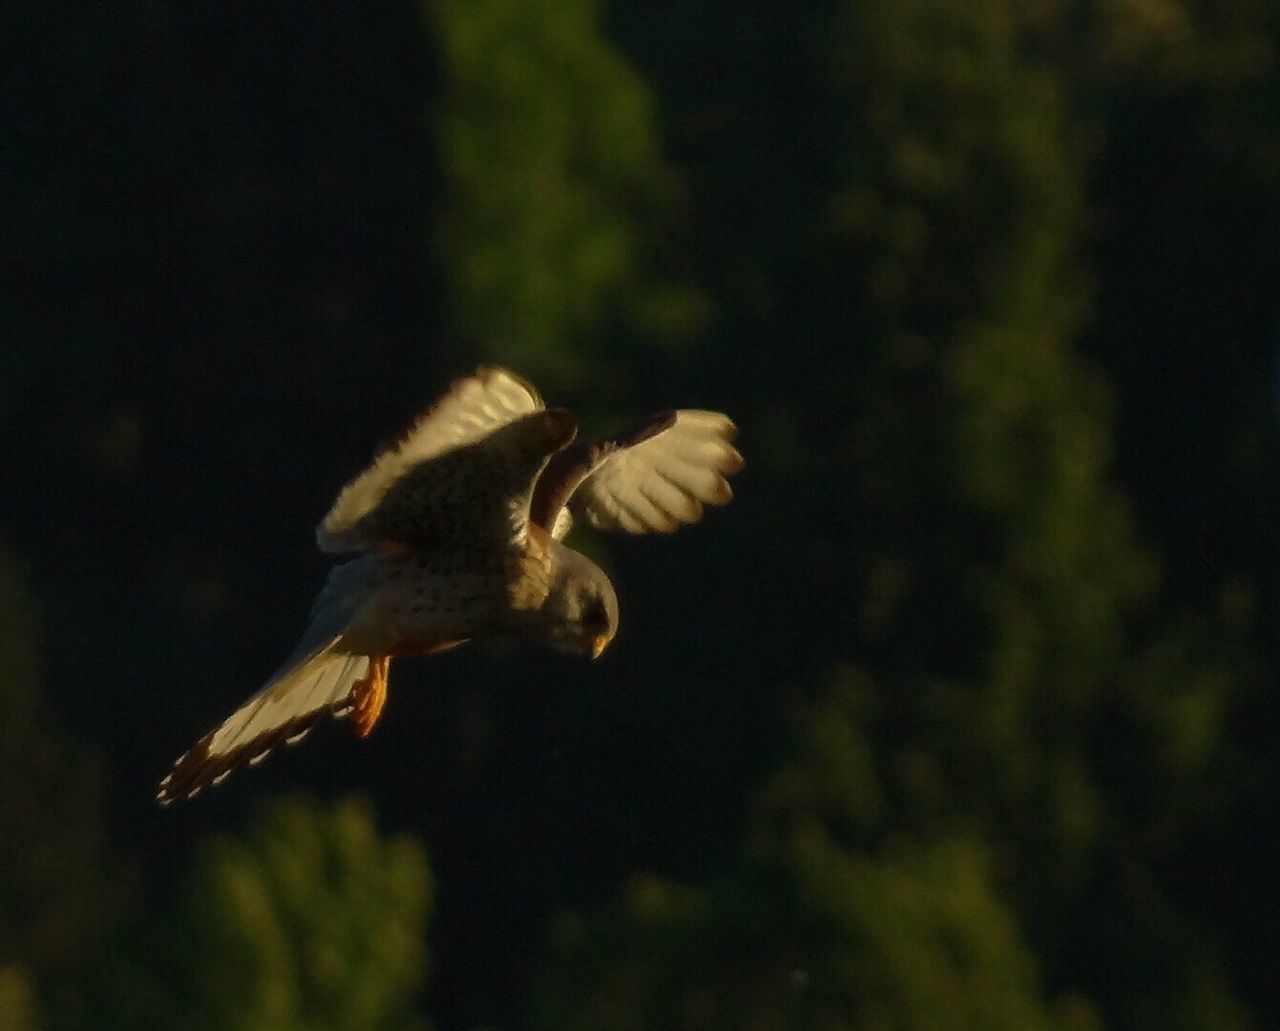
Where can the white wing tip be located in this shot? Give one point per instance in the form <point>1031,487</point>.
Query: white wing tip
<point>714,431</point>
<point>491,375</point>
<point>710,422</point>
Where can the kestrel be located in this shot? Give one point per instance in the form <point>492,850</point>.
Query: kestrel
<point>456,532</point>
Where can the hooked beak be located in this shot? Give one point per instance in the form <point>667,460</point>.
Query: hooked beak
<point>598,645</point>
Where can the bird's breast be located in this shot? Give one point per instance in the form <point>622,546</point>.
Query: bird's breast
<point>424,603</point>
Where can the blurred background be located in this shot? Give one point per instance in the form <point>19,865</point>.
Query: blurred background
<point>963,715</point>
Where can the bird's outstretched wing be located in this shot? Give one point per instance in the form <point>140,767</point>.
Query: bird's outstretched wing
<point>462,475</point>
<point>653,477</point>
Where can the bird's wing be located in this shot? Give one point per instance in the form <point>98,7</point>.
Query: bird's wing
<point>472,409</point>
<point>463,475</point>
<point>653,477</point>
<point>316,680</point>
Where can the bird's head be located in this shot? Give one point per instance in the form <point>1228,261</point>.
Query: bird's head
<point>580,615</point>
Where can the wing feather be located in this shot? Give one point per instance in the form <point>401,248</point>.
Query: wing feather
<point>474,496</point>
<point>682,506</point>
<point>473,408</point>
<point>650,482</point>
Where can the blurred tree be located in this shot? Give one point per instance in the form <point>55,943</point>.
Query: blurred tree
<point>1095,878</point>
<point>1181,100</point>
<point>551,172</point>
<point>901,218</point>
<point>315,921</point>
<point>56,888</point>
<point>945,456</point>
<point>1012,631</point>
<point>816,938</point>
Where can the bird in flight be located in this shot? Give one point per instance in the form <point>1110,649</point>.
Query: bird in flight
<point>456,532</point>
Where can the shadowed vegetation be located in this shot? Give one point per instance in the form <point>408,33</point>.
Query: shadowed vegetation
<point>962,715</point>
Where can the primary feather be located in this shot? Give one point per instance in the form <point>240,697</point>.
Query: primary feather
<point>665,480</point>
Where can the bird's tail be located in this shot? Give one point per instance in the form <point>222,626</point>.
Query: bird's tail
<point>319,682</point>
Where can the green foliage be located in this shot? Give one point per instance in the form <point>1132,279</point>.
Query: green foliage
<point>957,190</point>
<point>55,892</point>
<point>314,921</point>
<point>549,161</point>
<point>1001,665</point>
<point>1074,838</point>
<point>982,440</point>
<point>993,287</point>
<point>819,939</point>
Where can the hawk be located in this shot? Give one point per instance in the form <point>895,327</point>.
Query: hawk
<point>456,533</point>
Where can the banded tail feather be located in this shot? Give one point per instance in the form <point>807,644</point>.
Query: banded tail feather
<point>285,710</point>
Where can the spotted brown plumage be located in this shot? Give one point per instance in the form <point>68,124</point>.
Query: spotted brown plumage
<point>454,532</point>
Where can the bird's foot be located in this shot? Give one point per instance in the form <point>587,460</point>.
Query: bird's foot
<point>369,695</point>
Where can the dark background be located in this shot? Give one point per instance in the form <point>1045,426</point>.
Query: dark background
<point>963,714</point>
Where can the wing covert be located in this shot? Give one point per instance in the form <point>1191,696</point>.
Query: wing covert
<point>470,411</point>
<point>476,495</point>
